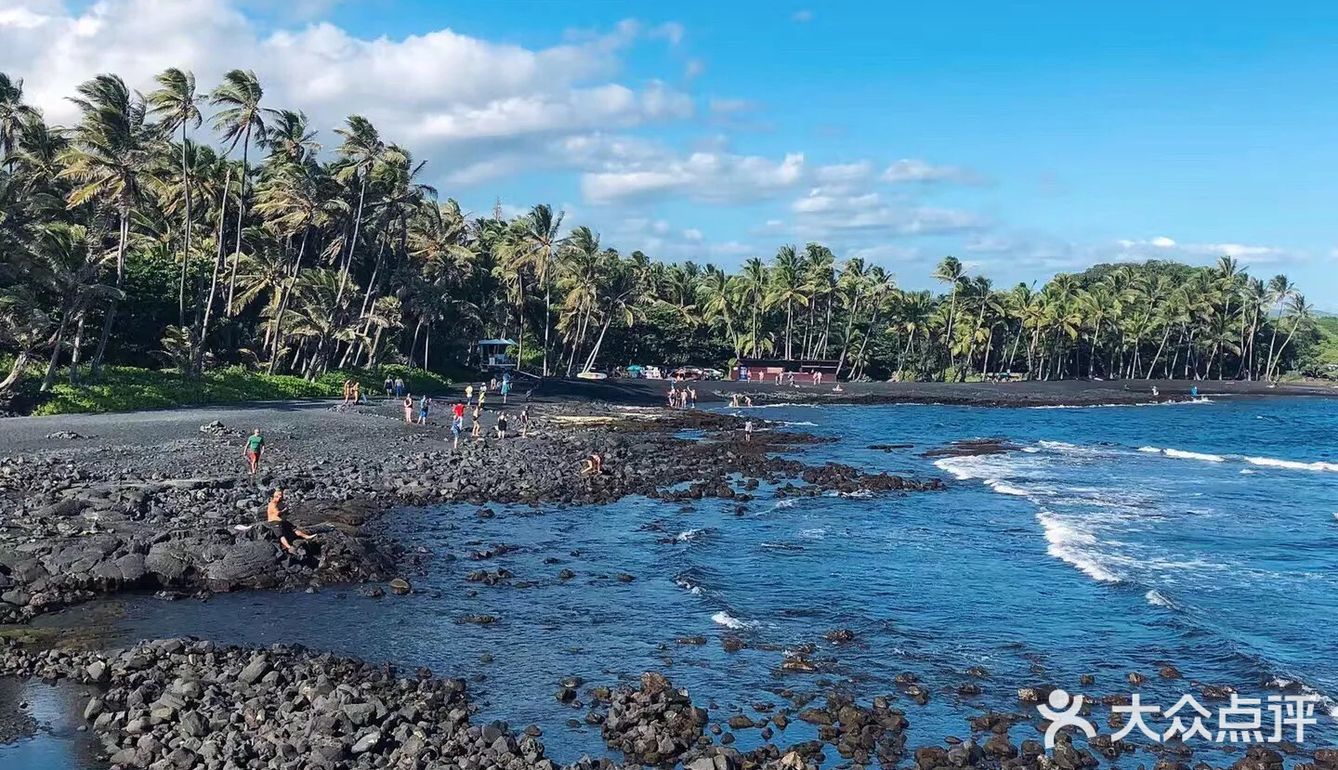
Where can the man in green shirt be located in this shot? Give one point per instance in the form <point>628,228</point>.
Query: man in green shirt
<point>255,447</point>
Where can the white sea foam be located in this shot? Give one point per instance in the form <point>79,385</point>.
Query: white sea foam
<point>957,466</point>
<point>1006,489</point>
<point>1295,465</point>
<point>817,533</point>
<point>1183,454</point>
<point>689,535</point>
<point>1157,599</point>
<point>689,586</point>
<point>801,423</point>
<point>727,620</point>
<point>1075,547</point>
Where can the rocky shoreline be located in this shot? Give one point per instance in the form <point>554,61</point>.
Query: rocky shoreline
<point>84,519</point>
<point>179,704</point>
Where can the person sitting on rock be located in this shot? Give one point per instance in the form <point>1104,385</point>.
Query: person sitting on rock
<point>274,516</point>
<point>593,465</point>
<point>255,447</point>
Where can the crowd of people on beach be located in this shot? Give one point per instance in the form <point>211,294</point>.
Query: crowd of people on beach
<point>682,398</point>
<point>417,411</point>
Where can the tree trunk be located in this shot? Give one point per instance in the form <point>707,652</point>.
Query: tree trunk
<point>789,321</point>
<point>1295,325</point>
<point>55,351</point>
<point>241,213</point>
<point>115,303</point>
<point>355,347</point>
<point>599,342</point>
<point>286,294</point>
<point>75,349</point>
<point>203,329</point>
<point>185,251</point>
<point>845,341</point>
<point>16,371</point>
<point>520,323</point>
<point>413,346</point>
<point>548,304</point>
<point>352,244</point>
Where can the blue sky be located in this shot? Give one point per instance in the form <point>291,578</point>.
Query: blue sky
<point>1025,138</point>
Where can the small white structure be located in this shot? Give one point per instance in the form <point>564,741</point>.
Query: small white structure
<point>493,354</point>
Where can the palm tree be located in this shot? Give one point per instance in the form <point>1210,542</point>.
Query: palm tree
<point>240,120</point>
<point>754,280</point>
<point>360,151</point>
<point>110,151</point>
<point>14,115</point>
<point>950,271</point>
<point>174,103</point>
<point>1280,290</point>
<point>1301,314</point>
<point>787,286</point>
<point>581,266</point>
<point>24,325</point>
<point>717,290</point>
<point>542,228</point>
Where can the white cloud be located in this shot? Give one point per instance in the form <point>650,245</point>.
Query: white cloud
<point>802,16</point>
<point>823,213</point>
<point>701,176</point>
<point>671,31</point>
<point>913,170</point>
<point>1162,247</point>
<point>843,175</point>
<point>661,240</point>
<point>439,92</point>
<point>730,106</point>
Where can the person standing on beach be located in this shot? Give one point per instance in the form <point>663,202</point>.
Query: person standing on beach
<point>748,430</point>
<point>476,430</point>
<point>506,388</point>
<point>399,387</point>
<point>390,386</point>
<point>501,426</point>
<point>457,425</point>
<point>424,406</point>
<point>525,421</point>
<point>483,394</point>
<point>356,393</point>
<point>408,408</point>
<point>255,447</point>
<point>469,392</point>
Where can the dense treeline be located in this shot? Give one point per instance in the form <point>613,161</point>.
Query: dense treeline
<point>138,236</point>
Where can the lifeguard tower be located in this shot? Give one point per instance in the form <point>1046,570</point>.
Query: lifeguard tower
<point>493,355</point>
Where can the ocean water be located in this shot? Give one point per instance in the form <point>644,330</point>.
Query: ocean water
<point>1108,541</point>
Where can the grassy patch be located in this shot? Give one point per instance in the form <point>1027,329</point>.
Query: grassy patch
<point>123,389</point>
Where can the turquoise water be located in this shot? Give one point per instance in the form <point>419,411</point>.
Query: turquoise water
<point>1110,540</point>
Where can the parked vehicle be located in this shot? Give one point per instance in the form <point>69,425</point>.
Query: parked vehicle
<point>686,373</point>
<point>591,375</point>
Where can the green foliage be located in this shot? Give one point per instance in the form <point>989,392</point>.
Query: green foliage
<point>122,389</point>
